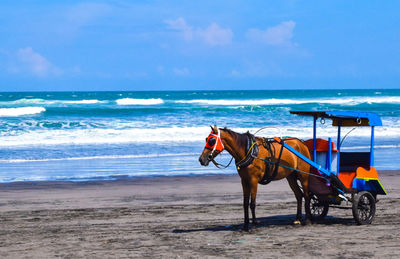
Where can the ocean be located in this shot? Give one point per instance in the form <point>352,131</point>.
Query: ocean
<point>79,136</point>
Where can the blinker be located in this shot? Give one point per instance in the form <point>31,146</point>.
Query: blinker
<point>211,141</point>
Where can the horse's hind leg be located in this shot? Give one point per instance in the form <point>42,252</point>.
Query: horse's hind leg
<point>292,180</point>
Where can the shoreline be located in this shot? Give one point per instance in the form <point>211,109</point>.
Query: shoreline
<point>136,179</point>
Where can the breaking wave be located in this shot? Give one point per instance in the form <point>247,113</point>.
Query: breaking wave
<point>131,101</point>
<point>14,112</point>
<point>346,101</point>
<point>166,135</point>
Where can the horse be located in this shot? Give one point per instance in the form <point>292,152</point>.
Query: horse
<point>260,160</point>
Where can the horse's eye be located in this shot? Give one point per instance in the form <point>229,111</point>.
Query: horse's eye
<point>211,142</point>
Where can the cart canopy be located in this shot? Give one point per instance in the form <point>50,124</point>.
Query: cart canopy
<point>345,118</point>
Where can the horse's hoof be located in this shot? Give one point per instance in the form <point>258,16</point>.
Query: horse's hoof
<point>297,222</point>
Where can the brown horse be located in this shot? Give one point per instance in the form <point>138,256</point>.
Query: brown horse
<point>253,170</point>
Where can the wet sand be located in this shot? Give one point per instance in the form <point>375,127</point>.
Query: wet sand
<point>175,217</point>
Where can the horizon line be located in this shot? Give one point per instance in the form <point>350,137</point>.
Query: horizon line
<point>203,90</point>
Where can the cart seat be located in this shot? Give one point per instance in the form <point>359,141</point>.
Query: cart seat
<point>350,161</point>
<point>322,145</point>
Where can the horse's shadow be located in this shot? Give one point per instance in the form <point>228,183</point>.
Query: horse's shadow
<point>271,221</point>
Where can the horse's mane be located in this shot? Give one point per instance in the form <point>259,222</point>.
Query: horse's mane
<point>240,138</point>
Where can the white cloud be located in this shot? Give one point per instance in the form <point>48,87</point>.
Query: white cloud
<point>181,71</point>
<point>32,62</point>
<point>213,35</point>
<point>235,73</point>
<point>181,25</point>
<point>279,35</point>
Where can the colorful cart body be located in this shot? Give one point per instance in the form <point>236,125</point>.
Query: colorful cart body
<point>353,172</point>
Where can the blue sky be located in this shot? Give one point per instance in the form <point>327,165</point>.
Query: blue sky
<point>198,45</point>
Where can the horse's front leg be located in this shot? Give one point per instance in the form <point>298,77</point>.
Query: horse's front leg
<point>292,180</point>
<point>306,192</point>
<point>246,196</point>
<point>253,192</point>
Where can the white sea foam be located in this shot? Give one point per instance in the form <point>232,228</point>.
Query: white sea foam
<point>131,101</point>
<point>174,135</point>
<point>13,112</point>
<point>273,101</point>
<point>345,101</point>
<point>37,101</point>
<point>97,157</point>
<point>27,101</point>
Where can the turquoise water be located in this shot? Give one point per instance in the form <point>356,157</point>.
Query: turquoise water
<point>107,135</point>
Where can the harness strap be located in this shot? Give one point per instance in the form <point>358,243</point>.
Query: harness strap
<point>291,168</point>
<point>252,152</point>
<point>267,178</point>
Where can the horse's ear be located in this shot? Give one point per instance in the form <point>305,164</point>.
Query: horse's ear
<point>212,129</point>
<point>215,129</point>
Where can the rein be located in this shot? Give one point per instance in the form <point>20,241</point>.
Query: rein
<point>220,166</point>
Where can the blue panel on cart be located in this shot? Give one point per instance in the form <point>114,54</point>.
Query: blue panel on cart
<point>377,187</point>
<point>368,185</point>
<point>359,184</point>
<point>363,185</point>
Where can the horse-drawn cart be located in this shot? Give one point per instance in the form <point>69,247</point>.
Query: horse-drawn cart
<point>327,175</point>
<point>338,176</point>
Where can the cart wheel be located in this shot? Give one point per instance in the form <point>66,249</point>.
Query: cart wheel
<point>363,207</point>
<point>319,209</point>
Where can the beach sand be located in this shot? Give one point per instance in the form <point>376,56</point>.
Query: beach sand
<point>183,217</point>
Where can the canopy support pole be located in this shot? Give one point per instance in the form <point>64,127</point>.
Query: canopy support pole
<point>371,162</point>
<point>338,146</point>
<point>315,139</point>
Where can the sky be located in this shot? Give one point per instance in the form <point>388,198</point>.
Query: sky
<point>198,45</point>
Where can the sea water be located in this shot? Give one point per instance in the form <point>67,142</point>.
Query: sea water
<point>109,135</point>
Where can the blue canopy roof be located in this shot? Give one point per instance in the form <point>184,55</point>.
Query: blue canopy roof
<point>345,118</point>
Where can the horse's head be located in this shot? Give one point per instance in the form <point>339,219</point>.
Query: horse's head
<point>213,146</point>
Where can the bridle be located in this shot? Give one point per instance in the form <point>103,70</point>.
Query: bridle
<point>214,142</point>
